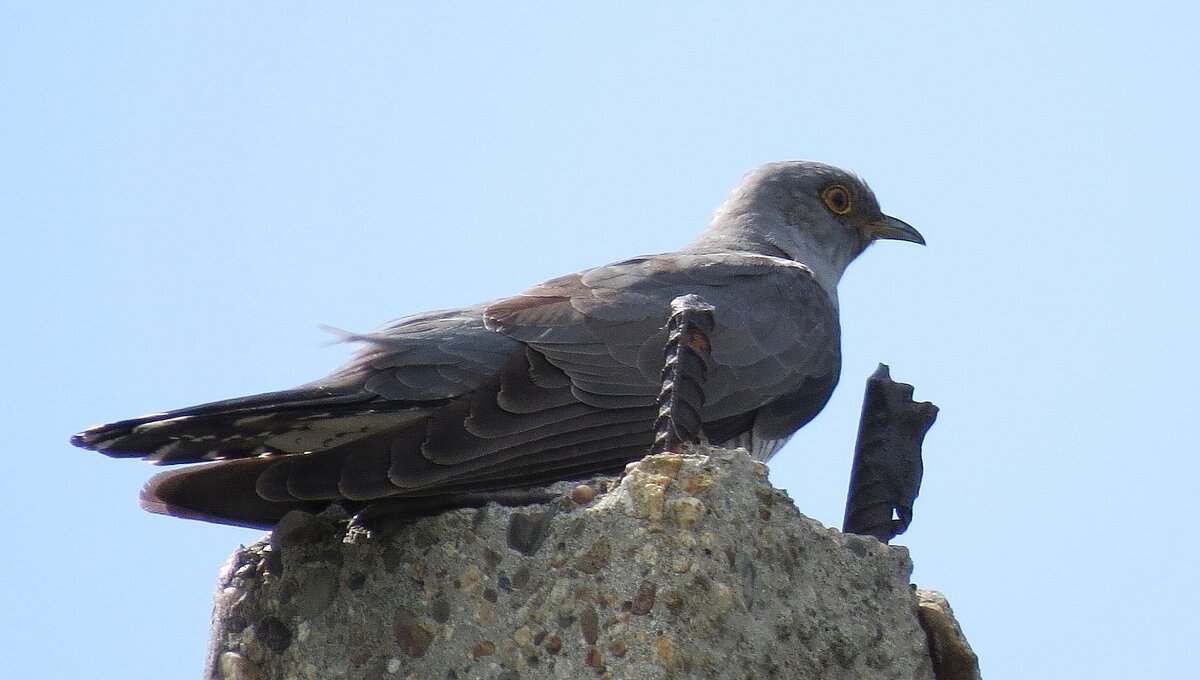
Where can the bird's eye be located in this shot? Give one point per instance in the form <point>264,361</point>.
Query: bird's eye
<point>837,199</point>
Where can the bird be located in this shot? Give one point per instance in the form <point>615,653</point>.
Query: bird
<point>559,382</point>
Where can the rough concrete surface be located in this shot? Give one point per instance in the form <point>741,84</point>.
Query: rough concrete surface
<point>690,566</point>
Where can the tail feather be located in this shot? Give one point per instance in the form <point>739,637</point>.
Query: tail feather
<point>220,492</point>
<point>291,421</point>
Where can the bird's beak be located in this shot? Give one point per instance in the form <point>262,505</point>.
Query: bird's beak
<point>894,229</point>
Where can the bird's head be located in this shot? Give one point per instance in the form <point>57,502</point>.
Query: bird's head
<point>809,212</point>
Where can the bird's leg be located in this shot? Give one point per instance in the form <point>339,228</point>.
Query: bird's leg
<point>887,468</point>
<point>685,367</point>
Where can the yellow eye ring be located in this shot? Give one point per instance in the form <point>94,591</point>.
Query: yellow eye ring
<point>837,198</point>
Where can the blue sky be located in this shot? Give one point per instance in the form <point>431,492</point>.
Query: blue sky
<point>188,189</point>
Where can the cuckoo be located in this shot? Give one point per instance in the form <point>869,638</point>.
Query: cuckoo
<point>558,382</point>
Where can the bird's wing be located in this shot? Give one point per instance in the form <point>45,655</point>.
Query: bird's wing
<point>416,364</point>
<point>522,427</point>
<point>775,328</point>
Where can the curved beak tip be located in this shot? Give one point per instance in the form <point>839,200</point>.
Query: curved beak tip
<point>896,230</point>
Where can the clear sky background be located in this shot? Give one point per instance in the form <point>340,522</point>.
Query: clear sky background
<point>188,189</point>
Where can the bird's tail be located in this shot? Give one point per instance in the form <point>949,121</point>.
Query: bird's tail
<point>223,492</point>
<point>290,421</point>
